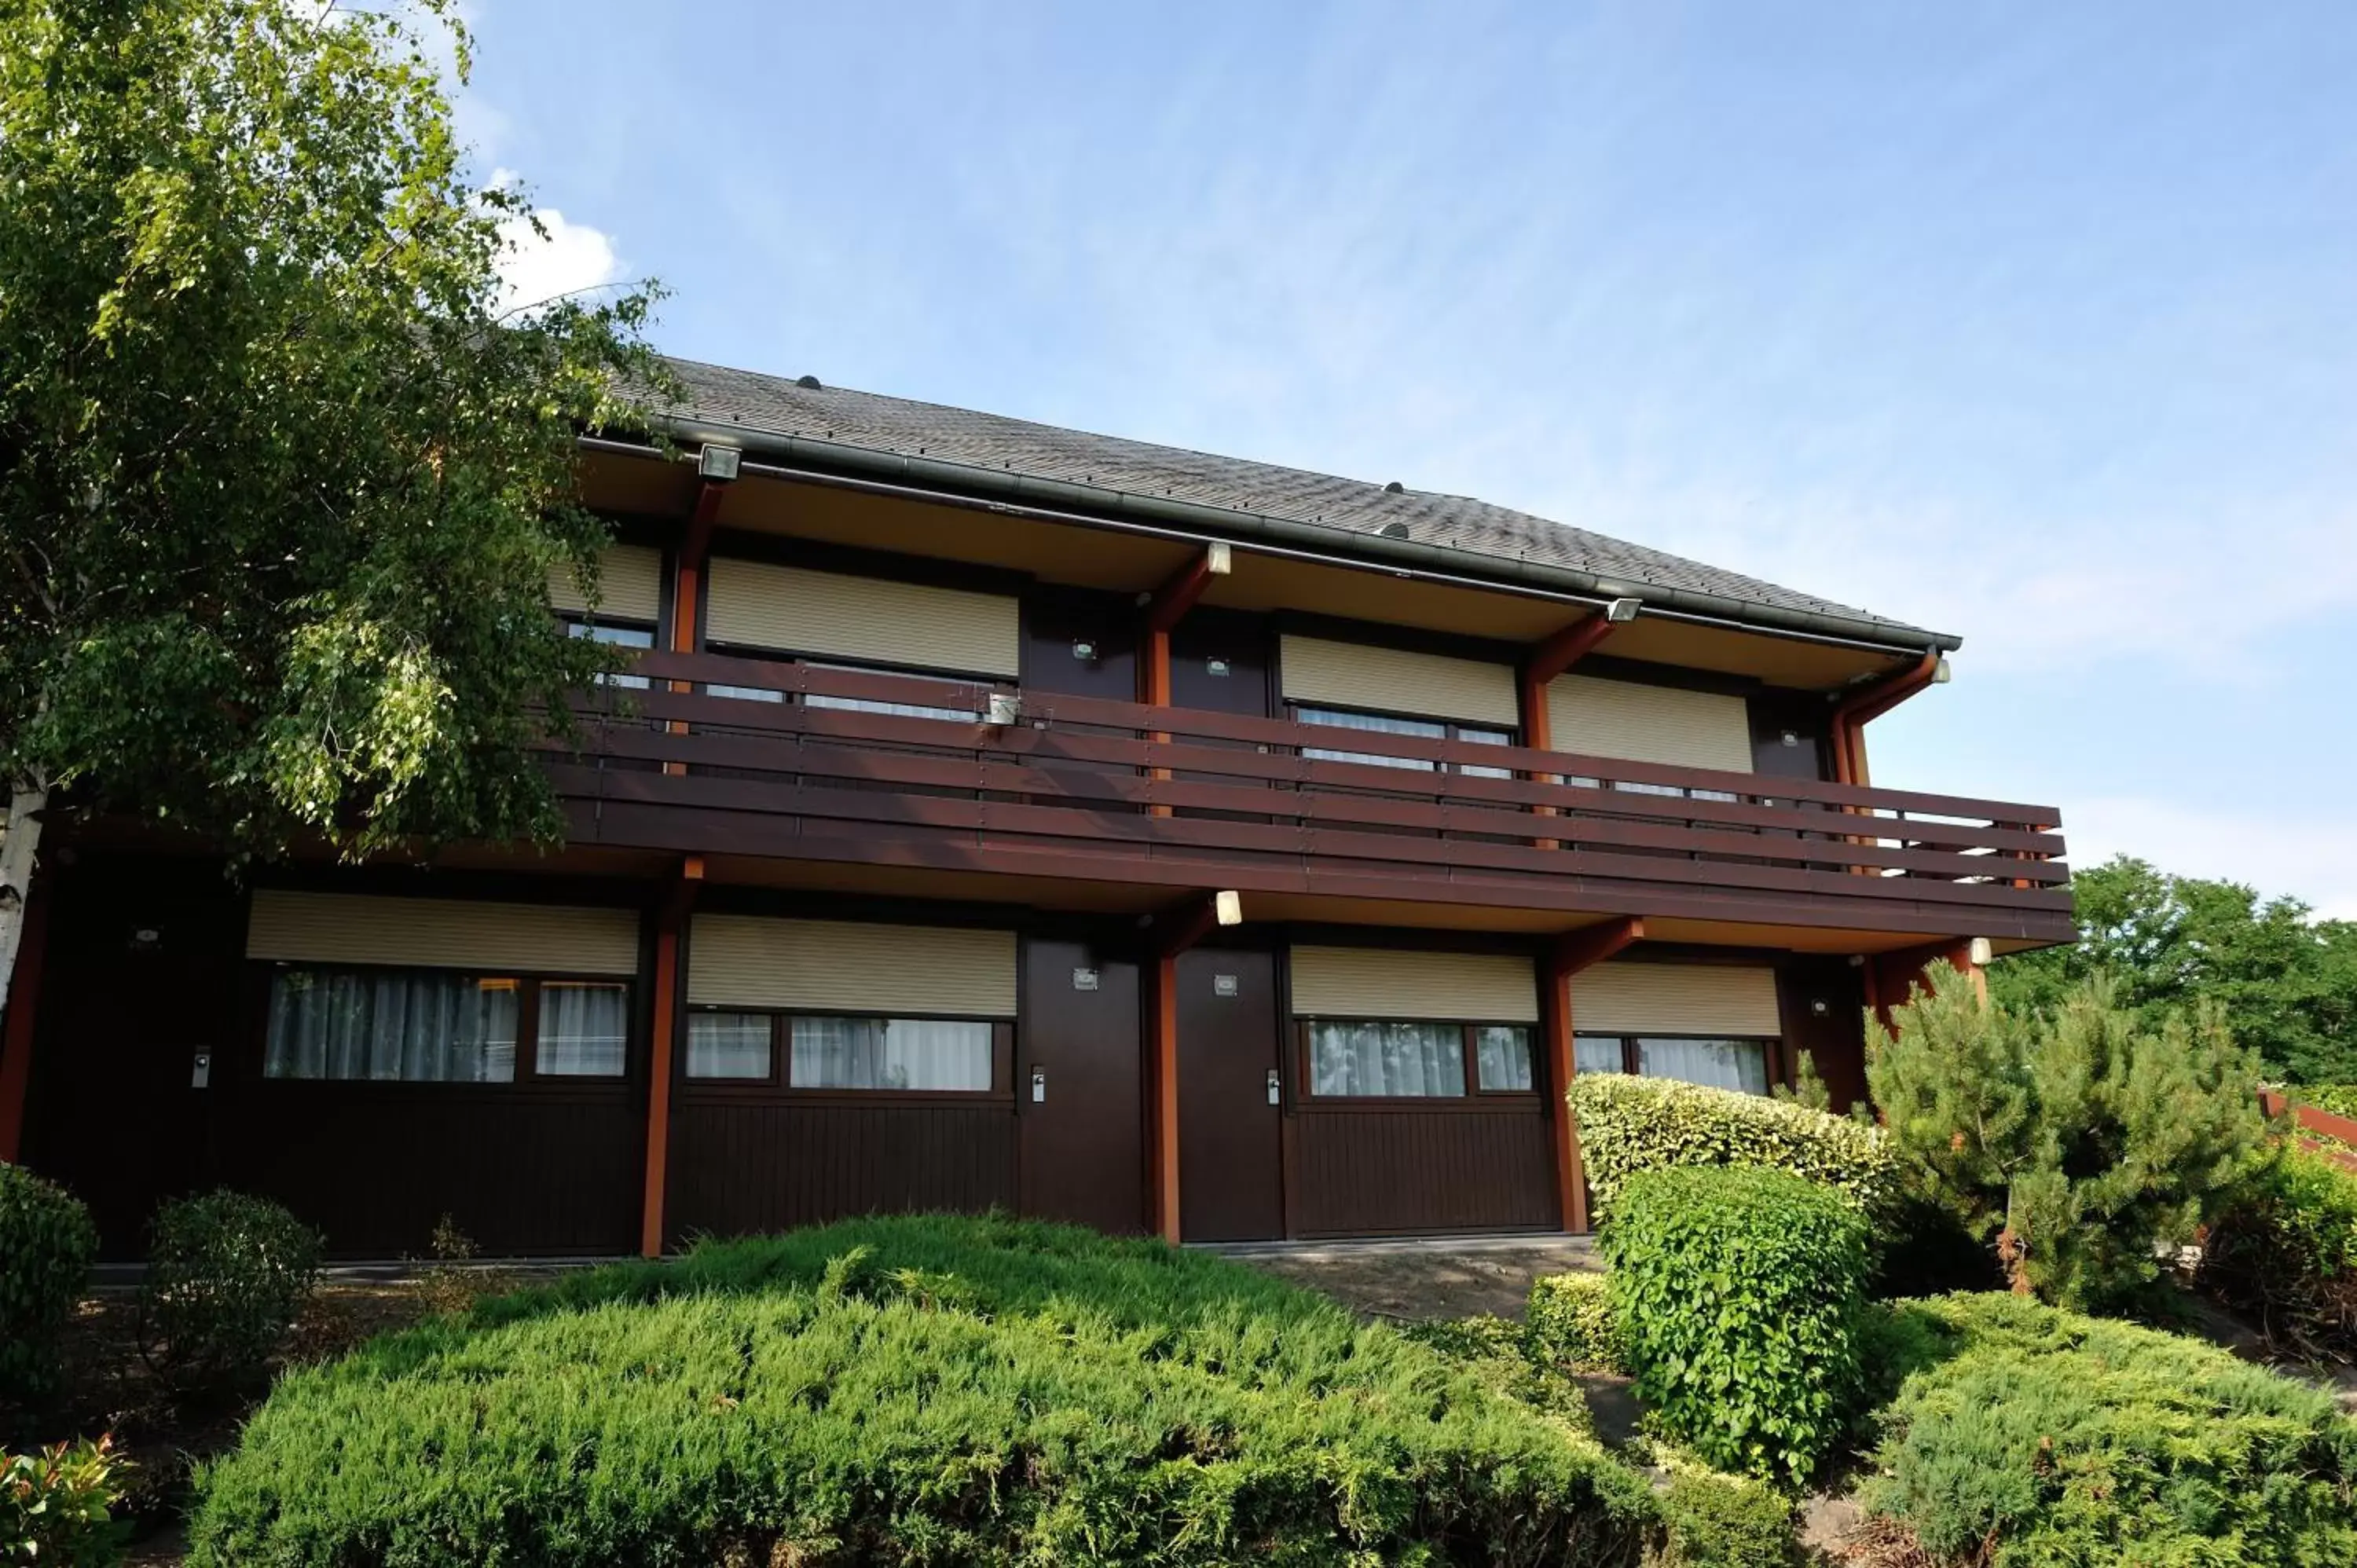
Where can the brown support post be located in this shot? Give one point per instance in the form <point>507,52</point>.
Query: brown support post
<point>1165,608</point>
<point>1892,977</point>
<point>670,921</point>
<point>1169,935</point>
<point>694,546</point>
<point>1550,659</point>
<point>1871,701</point>
<point>23,1006</point>
<point>1571,953</point>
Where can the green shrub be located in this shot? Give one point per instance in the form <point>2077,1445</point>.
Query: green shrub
<point>55,1506</point>
<point>2038,1438</point>
<point>2285,1253</point>
<point>2080,1142</point>
<point>1628,1124</point>
<point>2340,1099</point>
<point>226,1275</point>
<point>1571,1323</point>
<point>1739,1292</point>
<point>923,1390</point>
<point>47,1242</point>
<point>1718,1521</point>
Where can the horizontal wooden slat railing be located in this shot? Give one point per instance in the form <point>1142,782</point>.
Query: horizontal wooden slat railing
<point>1081,772</point>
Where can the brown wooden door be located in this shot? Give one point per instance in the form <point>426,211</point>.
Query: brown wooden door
<point>1230,1160</point>
<point>1084,1144</point>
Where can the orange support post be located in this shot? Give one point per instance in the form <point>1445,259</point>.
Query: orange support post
<point>1171,934</point>
<point>1572,952</point>
<point>24,1003</point>
<point>1550,659</point>
<point>670,921</point>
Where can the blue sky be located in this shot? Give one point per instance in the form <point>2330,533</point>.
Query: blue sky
<point>2033,323</point>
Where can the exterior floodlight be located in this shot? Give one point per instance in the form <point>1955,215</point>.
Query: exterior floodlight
<point>1623,609</point>
<point>718,462</point>
<point>1217,559</point>
<point>1228,907</point>
<point>1940,675</point>
<point>1981,953</point>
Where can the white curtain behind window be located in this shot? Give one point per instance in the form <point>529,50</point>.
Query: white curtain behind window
<point>1501,1057</point>
<point>392,1026</point>
<point>891,1053</point>
<point>1387,1058</point>
<point>1720,1064</point>
<point>728,1044</point>
<point>1373,722</point>
<point>584,1029</point>
<point>1596,1053</point>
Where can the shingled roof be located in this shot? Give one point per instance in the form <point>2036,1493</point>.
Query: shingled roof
<point>816,422</point>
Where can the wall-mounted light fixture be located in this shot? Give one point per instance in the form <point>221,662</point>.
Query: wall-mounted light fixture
<point>1228,907</point>
<point>1623,609</point>
<point>716,462</point>
<point>1084,651</point>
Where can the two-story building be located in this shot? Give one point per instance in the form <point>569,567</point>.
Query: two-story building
<point>1005,817</point>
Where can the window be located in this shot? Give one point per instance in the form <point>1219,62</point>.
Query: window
<point>889,1053</point>
<point>1394,1059</point>
<point>1737,1064</point>
<point>1388,723</point>
<point>730,1046</point>
<point>432,1026</point>
<point>934,1055</point>
<point>585,1029</point>
<point>849,704</point>
<point>638,637</point>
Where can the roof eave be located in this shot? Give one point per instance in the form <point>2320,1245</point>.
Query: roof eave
<point>1244,525</point>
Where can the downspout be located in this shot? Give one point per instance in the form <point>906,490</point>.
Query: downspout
<point>1870,702</point>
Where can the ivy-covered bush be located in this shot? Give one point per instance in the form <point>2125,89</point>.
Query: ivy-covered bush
<point>2032,1437</point>
<point>1628,1124</point>
<point>2285,1253</point>
<point>1571,1324</point>
<point>47,1242</point>
<point>227,1273</point>
<point>57,1506</point>
<point>1739,1292</point>
<point>929,1390</point>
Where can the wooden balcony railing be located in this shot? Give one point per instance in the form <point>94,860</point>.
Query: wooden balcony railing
<point>1089,788</point>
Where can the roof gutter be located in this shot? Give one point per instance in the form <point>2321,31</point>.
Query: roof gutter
<point>934,473</point>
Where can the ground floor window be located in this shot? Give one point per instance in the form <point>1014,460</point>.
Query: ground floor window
<point>845,1052</point>
<point>1399,1060</point>
<point>1738,1064</point>
<point>432,1026</point>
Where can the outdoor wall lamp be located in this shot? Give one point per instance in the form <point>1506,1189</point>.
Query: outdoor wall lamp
<point>718,462</point>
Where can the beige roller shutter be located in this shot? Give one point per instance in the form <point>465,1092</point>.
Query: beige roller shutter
<point>1391,681</point>
<point>630,578</point>
<point>755,605</point>
<point>1377,982</point>
<point>744,961</point>
<point>1706,999</point>
<point>441,933</point>
<point>1639,722</point>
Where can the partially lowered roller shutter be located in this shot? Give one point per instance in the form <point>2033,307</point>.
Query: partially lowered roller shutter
<point>1378,983</point>
<point>1389,680</point>
<point>629,583</point>
<point>838,966</point>
<point>441,933</point>
<point>1639,722</point>
<point>1708,1000</point>
<point>753,603</point>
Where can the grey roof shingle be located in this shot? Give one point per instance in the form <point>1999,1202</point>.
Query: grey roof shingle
<point>780,406</point>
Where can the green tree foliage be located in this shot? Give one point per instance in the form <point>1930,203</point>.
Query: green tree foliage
<point>2286,981</point>
<point>281,480</point>
<point>2078,1139</point>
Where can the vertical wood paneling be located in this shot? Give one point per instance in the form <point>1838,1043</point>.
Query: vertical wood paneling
<point>744,1166</point>
<point>1385,1173</point>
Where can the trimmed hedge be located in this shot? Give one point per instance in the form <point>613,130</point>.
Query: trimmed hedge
<point>227,1274</point>
<point>1571,1323</point>
<point>2286,1252</point>
<point>1628,1124</point>
<point>1718,1521</point>
<point>47,1242</point>
<point>1739,1292</point>
<point>2032,1437</point>
<point>924,1389</point>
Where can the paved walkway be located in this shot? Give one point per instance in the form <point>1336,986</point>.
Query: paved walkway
<point>1423,1277</point>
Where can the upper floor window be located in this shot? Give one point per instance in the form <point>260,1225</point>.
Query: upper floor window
<point>640,638</point>
<point>849,704</point>
<point>1393,724</point>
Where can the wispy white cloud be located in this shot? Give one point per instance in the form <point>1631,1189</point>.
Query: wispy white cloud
<point>2312,857</point>
<point>559,257</point>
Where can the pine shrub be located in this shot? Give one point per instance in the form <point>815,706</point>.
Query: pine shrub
<point>47,1242</point>
<point>227,1274</point>
<point>1739,1292</point>
<point>2032,1437</point>
<point>928,1390</point>
<point>1628,1124</point>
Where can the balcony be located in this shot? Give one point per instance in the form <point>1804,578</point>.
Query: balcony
<point>1087,791</point>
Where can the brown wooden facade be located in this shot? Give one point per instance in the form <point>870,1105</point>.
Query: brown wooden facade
<point>1076,758</point>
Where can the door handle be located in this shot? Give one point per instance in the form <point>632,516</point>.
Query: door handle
<point>1038,1086</point>
<point>1272,1086</point>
